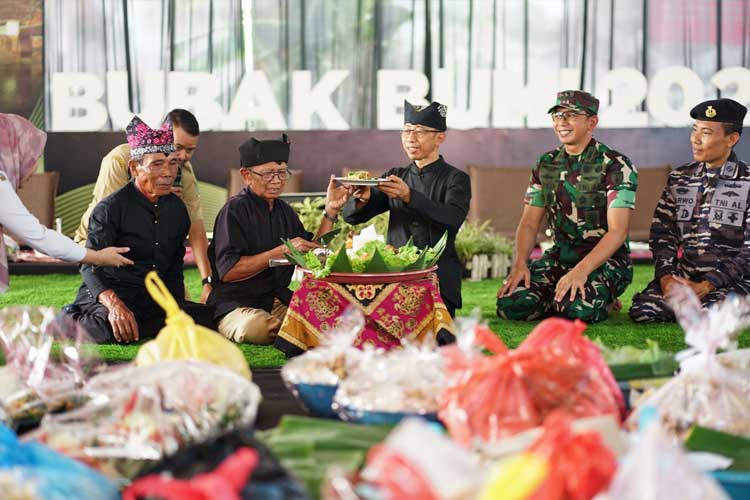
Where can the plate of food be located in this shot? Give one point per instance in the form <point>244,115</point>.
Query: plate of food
<point>359,178</point>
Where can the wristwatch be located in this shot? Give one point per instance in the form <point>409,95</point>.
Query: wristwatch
<point>208,280</point>
<point>332,219</point>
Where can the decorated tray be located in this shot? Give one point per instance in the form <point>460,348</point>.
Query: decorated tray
<point>364,278</point>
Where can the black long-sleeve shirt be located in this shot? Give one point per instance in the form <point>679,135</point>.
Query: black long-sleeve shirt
<point>155,233</point>
<point>440,196</point>
<point>245,226</point>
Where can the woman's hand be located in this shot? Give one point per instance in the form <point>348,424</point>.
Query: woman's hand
<point>108,257</point>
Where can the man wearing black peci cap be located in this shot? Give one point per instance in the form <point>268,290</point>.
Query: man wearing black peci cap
<point>704,211</point>
<point>426,198</point>
<point>250,297</point>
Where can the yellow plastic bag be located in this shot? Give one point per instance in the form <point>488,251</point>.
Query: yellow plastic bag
<point>181,338</point>
<point>516,478</point>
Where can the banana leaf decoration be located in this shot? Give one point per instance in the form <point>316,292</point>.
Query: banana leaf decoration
<point>438,249</point>
<point>295,255</point>
<point>377,264</point>
<point>341,263</point>
<point>418,264</point>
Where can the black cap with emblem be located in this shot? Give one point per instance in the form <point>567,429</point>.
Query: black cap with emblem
<point>720,110</point>
<point>254,152</point>
<point>430,116</point>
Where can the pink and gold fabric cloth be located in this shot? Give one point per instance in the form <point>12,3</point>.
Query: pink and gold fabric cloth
<point>392,311</point>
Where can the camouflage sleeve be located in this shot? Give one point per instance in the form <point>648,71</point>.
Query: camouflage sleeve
<point>621,181</point>
<point>736,268</point>
<point>533,196</point>
<point>663,239</point>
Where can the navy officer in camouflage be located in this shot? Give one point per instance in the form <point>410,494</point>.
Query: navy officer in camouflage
<point>704,211</point>
<point>587,191</point>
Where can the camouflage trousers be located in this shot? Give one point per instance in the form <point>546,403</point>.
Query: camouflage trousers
<point>603,286</point>
<point>649,305</point>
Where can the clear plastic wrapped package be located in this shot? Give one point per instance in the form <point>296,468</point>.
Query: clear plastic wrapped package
<point>137,415</point>
<point>490,397</point>
<point>313,377</point>
<point>47,362</point>
<point>706,392</point>
<point>328,363</point>
<point>407,380</point>
<point>656,468</point>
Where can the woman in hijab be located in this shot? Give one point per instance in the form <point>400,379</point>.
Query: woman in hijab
<point>21,145</point>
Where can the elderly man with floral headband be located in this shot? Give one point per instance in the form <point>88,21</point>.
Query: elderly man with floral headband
<point>144,215</point>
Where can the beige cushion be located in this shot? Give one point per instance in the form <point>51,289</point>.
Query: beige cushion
<point>651,182</point>
<point>497,195</point>
<point>236,183</point>
<point>38,195</point>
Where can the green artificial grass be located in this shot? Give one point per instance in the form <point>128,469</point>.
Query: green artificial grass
<point>57,290</point>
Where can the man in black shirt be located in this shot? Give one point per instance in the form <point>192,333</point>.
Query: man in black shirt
<point>112,303</point>
<point>425,198</point>
<point>250,297</point>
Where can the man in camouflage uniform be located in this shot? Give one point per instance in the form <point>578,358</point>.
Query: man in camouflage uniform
<point>704,211</point>
<point>587,191</point>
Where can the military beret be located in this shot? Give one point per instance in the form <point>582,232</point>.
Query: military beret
<point>577,100</point>
<point>720,110</point>
<point>430,116</point>
<point>254,152</point>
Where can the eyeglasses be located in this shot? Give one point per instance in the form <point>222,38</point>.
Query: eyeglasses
<point>268,176</point>
<point>565,115</point>
<point>418,133</point>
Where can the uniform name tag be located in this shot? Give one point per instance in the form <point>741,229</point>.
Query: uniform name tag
<point>729,202</point>
<point>687,197</point>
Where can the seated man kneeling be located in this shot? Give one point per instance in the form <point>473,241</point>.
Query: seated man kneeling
<point>250,297</point>
<point>703,211</point>
<point>587,191</point>
<point>113,303</point>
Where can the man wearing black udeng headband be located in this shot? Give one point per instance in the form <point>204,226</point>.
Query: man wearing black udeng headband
<point>425,198</point>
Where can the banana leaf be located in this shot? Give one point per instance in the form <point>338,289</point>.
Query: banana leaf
<point>663,367</point>
<point>438,249</point>
<point>709,440</point>
<point>377,264</point>
<point>418,264</point>
<point>341,263</point>
<point>294,255</point>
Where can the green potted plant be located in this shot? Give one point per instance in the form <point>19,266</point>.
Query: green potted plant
<point>483,252</point>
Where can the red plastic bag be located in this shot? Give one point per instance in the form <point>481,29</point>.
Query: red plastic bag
<point>225,482</point>
<point>580,465</point>
<point>566,337</point>
<point>559,381</point>
<point>468,408</point>
<point>490,397</point>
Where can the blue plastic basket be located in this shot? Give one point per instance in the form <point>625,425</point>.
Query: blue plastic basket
<point>735,483</point>
<point>358,416</point>
<point>317,398</point>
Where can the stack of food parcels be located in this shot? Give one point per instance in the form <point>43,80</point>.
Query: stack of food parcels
<point>473,420</point>
<point>189,392</point>
<point>547,420</point>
